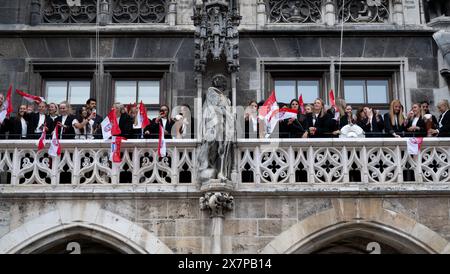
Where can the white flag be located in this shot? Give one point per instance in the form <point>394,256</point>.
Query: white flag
<point>106,128</point>
<point>413,145</point>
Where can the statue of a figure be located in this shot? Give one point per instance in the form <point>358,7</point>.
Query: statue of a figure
<point>217,137</point>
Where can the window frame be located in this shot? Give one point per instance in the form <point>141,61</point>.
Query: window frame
<point>380,106</point>
<point>67,80</point>
<point>297,79</point>
<point>149,107</point>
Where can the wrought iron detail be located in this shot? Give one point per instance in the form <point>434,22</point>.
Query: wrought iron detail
<point>216,33</point>
<point>367,11</point>
<point>139,11</point>
<point>294,11</point>
<point>62,11</point>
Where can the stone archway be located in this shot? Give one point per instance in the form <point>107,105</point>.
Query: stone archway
<point>364,219</point>
<point>86,220</point>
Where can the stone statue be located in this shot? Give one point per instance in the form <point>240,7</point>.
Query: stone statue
<point>218,133</point>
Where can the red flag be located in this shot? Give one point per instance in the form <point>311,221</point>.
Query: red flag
<point>55,146</point>
<point>301,104</point>
<point>269,105</point>
<point>116,142</point>
<point>142,117</point>
<point>41,143</point>
<point>162,151</point>
<point>7,107</point>
<point>283,114</point>
<point>115,130</point>
<point>30,98</point>
<point>332,100</point>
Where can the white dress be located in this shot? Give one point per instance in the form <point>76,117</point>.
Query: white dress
<point>86,135</point>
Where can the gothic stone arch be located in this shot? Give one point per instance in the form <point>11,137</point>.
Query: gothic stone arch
<point>86,219</point>
<point>362,218</point>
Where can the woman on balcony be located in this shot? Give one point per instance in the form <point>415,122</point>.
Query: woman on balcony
<point>415,125</point>
<point>318,121</point>
<point>394,120</point>
<point>373,124</point>
<point>18,126</point>
<point>252,122</point>
<point>52,114</point>
<point>296,126</point>
<point>83,125</point>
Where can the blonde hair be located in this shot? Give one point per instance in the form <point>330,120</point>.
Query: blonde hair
<point>341,105</point>
<point>400,117</point>
<point>322,110</point>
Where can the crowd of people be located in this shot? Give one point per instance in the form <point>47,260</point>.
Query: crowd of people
<point>317,121</point>
<point>312,121</point>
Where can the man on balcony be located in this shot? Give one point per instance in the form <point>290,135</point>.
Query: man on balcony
<point>444,120</point>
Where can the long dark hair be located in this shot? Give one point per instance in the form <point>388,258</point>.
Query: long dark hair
<point>80,119</point>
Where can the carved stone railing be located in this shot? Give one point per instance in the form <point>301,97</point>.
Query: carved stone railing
<point>139,11</point>
<point>88,163</point>
<point>368,11</point>
<point>294,11</point>
<point>62,11</point>
<point>366,162</point>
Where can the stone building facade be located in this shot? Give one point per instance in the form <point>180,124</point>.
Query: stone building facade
<point>291,197</point>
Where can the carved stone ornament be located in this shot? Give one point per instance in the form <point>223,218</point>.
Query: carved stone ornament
<point>364,11</point>
<point>294,11</point>
<point>139,11</point>
<point>217,203</point>
<point>216,33</point>
<point>64,11</point>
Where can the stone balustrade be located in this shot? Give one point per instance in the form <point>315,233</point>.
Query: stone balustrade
<point>288,165</point>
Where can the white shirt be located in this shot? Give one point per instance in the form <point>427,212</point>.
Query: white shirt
<point>24,127</point>
<point>442,117</point>
<point>63,119</point>
<point>164,122</point>
<point>85,135</point>
<point>315,118</point>
<point>414,121</point>
<point>254,123</point>
<point>40,123</point>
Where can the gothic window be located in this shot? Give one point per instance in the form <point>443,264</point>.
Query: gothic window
<point>67,11</point>
<point>76,92</point>
<point>364,11</point>
<point>294,11</point>
<point>139,11</point>
<point>130,91</point>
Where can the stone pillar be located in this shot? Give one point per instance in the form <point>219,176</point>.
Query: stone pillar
<point>261,16</point>
<point>172,13</point>
<point>397,14</point>
<point>104,17</point>
<point>330,13</point>
<point>217,203</point>
<point>35,12</point>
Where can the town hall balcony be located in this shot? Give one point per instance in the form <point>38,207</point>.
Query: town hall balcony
<point>284,166</point>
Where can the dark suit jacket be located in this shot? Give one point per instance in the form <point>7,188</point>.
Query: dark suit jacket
<point>323,125</point>
<point>249,132</point>
<point>68,132</point>
<point>391,129</point>
<point>153,128</point>
<point>420,124</point>
<point>444,131</point>
<point>33,121</point>
<point>15,128</point>
<point>126,126</point>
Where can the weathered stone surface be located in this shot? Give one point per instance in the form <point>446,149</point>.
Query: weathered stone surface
<point>187,208</point>
<point>407,206</point>
<point>248,245</point>
<point>420,47</point>
<point>186,49</point>
<point>12,48</point>
<point>80,47</point>
<point>152,209</point>
<point>265,46</point>
<point>36,47</point>
<point>428,79</point>
<point>423,64</point>
<point>240,228</point>
<point>58,47</point>
<point>246,48</point>
<point>287,47</point>
<point>7,65</point>
<point>331,46</point>
<point>184,245</point>
<point>5,209</point>
<point>161,228</point>
<point>105,48</point>
<point>281,208</point>
<point>311,206</point>
<point>124,208</point>
<point>191,228</point>
<point>375,46</point>
<point>274,227</point>
<point>397,46</point>
<point>249,208</point>
<point>310,46</point>
<point>124,47</point>
<point>23,212</point>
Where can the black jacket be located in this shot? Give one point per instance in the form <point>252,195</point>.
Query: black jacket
<point>323,125</point>
<point>33,121</point>
<point>15,128</point>
<point>153,128</point>
<point>420,124</point>
<point>68,132</point>
<point>444,130</point>
<point>391,129</point>
<point>126,126</point>
<point>249,131</point>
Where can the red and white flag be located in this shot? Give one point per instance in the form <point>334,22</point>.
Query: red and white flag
<point>162,151</point>
<point>333,105</point>
<point>7,107</point>
<point>266,110</point>
<point>414,144</point>
<point>41,142</point>
<point>55,146</point>
<point>142,118</point>
<point>283,114</point>
<point>116,142</point>
<point>30,98</point>
<point>301,104</point>
<point>109,125</point>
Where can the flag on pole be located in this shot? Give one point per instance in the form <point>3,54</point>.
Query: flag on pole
<point>142,118</point>
<point>283,114</point>
<point>116,142</point>
<point>333,105</point>
<point>109,125</point>
<point>266,110</point>
<point>55,146</point>
<point>7,106</point>
<point>414,144</point>
<point>30,98</point>
<point>162,151</point>
<point>41,142</point>
<point>301,104</point>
